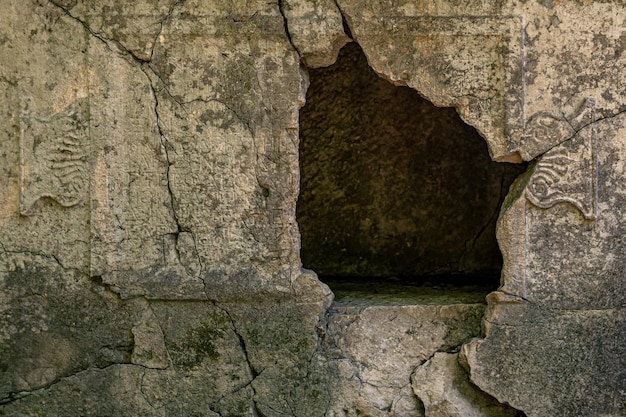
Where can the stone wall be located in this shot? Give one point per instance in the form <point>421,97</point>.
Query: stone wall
<point>149,245</point>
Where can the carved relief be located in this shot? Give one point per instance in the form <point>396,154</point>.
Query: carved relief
<point>567,173</point>
<point>545,130</point>
<point>546,187</point>
<point>54,157</point>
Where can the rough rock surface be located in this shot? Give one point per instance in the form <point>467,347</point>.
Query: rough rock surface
<point>316,30</point>
<point>443,386</point>
<point>377,347</point>
<point>149,174</point>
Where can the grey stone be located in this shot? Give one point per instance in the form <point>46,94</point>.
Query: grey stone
<point>316,30</point>
<point>444,388</point>
<point>560,306</point>
<point>115,390</point>
<point>149,176</point>
<point>376,348</point>
<point>55,323</point>
<point>570,362</point>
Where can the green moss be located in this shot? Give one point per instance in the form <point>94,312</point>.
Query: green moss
<point>197,345</point>
<point>517,188</point>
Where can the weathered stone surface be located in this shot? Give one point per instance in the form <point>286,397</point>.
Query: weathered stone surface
<point>39,107</point>
<point>62,334</point>
<point>316,30</point>
<point>376,348</point>
<point>209,360</point>
<point>120,385</point>
<point>570,362</point>
<point>573,261</point>
<point>444,388</point>
<point>281,342</point>
<point>199,121</point>
<point>157,195</point>
<point>562,303</point>
<point>512,69</point>
<point>453,59</point>
<point>149,249</point>
<point>52,324</point>
<point>134,25</point>
<point>562,252</point>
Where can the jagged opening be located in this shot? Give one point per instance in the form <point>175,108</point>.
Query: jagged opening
<point>392,187</point>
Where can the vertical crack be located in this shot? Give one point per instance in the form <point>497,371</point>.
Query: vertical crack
<point>170,11</point>
<point>344,22</point>
<point>252,371</point>
<point>166,149</point>
<point>142,63</point>
<point>281,10</point>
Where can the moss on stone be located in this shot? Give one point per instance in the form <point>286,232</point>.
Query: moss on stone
<point>197,345</point>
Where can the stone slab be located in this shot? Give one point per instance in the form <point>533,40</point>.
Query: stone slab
<point>376,348</point>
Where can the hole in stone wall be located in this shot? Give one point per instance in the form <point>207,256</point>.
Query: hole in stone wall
<point>392,187</point>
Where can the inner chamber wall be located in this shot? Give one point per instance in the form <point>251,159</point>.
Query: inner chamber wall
<point>392,186</point>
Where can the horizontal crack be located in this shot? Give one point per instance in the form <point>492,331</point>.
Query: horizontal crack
<point>17,396</point>
<point>51,257</point>
<point>578,130</point>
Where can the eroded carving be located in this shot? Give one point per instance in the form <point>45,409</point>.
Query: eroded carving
<point>567,174</point>
<point>545,187</point>
<point>54,157</point>
<point>545,130</point>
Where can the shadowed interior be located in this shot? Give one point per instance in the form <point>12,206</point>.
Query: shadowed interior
<point>393,187</point>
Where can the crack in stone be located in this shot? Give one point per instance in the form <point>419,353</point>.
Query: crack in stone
<point>156,321</point>
<point>468,379</point>
<point>116,42</point>
<point>141,64</point>
<point>281,10</point>
<point>164,145</point>
<point>97,280</point>
<point>84,24</point>
<point>146,397</point>
<point>517,296</point>
<point>202,269</point>
<point>170,11</point>
<point>252,371</point>
<point>344,22</point>
<point>51,257</point>
<point>578,130</point>
<point>444,349</point>
<point>17,396</point>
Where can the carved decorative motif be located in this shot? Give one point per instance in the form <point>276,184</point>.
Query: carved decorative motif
<point>54,158</point>
<point>545,130</point>
<point>546,187</point>
<point>567,172</point>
